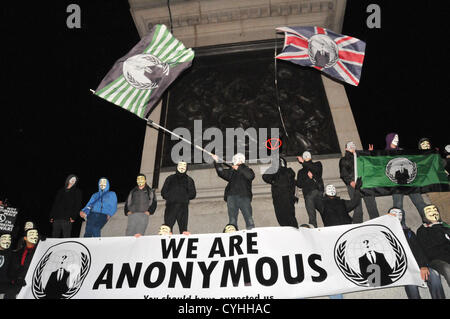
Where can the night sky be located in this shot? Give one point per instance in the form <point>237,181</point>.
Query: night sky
<point>52,126</point>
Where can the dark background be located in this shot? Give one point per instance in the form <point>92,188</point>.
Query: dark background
<point>51,125</point>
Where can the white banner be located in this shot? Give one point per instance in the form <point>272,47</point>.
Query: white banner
<point>264,263</point>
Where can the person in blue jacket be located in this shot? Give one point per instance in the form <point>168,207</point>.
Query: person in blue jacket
<point>99,209</point>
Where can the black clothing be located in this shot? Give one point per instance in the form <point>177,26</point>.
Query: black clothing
<point>239,181</point>
<point>178,188</point>
<point>68,202</point>
<point>416,248</point>
<point>309,184</point>
<point>435,241</point>
<point>18,267</point>
<point>5,259</point>
<point>283,195</point>
<point>141,201</point>
<point>179,213</point>
<point>347,168</point>
<point>56,286</point>
<point>334,211</point>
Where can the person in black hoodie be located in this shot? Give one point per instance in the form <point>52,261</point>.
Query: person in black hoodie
<point>334,210</point>
<point>283,193</point>
<point>5,259</point>
<point>238,192</point>
<point>309,179</point>
<point>427,274</point>
<point>178,190</point>
<point>434,236</point>
<point>140,204</point>
<point>66,207</point>
<point>20,262</point>
<point>347,173</point>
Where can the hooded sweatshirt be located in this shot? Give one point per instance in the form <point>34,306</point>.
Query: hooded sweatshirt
<point>389,139</point>
<point>103,202</point>
<point>67,202</point>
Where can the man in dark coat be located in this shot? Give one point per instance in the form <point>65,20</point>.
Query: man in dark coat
<point>334,210</point>
<point>372,257</point>
<point>283,193</point>
<point>5,259</point>
<point>66,207</point>
<point>434,236</point>
<point>347,173</point>
<point>427,274</point>
<point>20,262</point>
<point>309,179</point>
<point>178,190</point>
<point>140,204</point>
<point>238,192</point>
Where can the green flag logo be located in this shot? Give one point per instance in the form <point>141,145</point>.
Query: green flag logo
<point>144,71</point>
<point>401,170</point>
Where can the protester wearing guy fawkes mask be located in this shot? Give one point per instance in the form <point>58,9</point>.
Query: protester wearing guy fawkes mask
<point>347,174</point>
<point>178,190</point>
<point>283,193</point>
<point>430,276</point>
<point>100,208</point>
<point>140,204</point>
<point>65,208</point>
<point>334,210</point>
<point>309,179</point>
<point>392,144</point>
<point>5,259</point>
<point>238,192</point>
<point>20,262</point>
<point>434,236</point>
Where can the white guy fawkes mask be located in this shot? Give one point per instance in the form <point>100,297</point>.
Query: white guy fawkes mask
<point>330,190</point>
<point>182,167</point>
<point>425,145</point>
<point>28,225</point>
<point>33,236</point>
<point>396,212</point>
<point>431,213</point>
<point>71,182</point>
<point>164,230</point>
<point>5,241</point>
<point>141,181</point>
<point>103,183</point>
<point>395,140</point>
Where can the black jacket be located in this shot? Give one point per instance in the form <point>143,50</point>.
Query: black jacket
<point>5,259</point>
<point>151,197</point>
<point>178,188</point>
<point>283,183</point>
<point>416,248</point>
<point>17,271</point>
<point>347,168</point>
<point>334,210</point>
<point>307,184</point>
<point>239,181</point>
<point>435,241</point>
<point>67,203</point>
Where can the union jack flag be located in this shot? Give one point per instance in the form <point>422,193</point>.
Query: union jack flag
<point>337,55</point>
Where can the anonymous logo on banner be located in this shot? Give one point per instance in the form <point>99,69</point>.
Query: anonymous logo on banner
<point>370,256</point>
<point>61,271</point>
<point>144,71</point>
<point>401,170</point>
<point>323,51</point>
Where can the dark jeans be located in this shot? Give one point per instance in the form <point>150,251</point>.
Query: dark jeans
<point>434,286</point>
<point>416,198</point>
<point>177,212</point>
<point>63,226</point>
<point>443,268</point>
<point>311,206</point>
<point>371,206</point>
<point>285,210</point>
<point>236,202</point>
<point>94,224</point>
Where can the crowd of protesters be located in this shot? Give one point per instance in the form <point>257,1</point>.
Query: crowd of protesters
<point>430,246</point>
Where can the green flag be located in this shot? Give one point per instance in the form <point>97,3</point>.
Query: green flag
<point>404,172</point>
<point>137,80</point>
